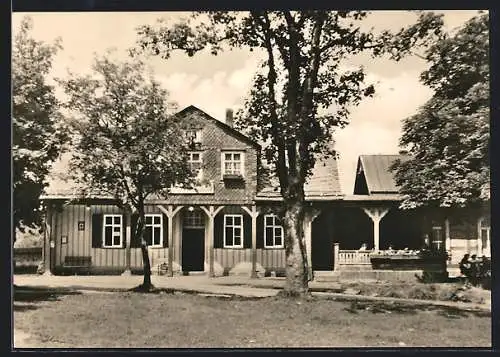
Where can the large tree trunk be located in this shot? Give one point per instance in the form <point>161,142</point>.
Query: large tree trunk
<point>141,222</point>
<point>147,267</point>
<point>296,255</point>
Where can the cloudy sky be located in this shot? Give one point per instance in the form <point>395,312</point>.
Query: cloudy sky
<point>214,83</point>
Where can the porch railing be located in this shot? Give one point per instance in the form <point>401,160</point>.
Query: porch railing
<point>354,257</point>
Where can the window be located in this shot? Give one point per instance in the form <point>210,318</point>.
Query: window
<point>233,231</point>
<point>194,219</point>
<point>232,163</point>
<point>437,237</point>
<point>195,164</point>
<point>273,232</point>
<point>193,136</point>
<point>153,230</point>
<point>112,231</point>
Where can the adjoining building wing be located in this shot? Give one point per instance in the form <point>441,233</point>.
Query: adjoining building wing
<point>374,175</point>
<point>323,184</point>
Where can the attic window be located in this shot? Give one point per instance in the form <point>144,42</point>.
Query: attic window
<point>194,137</point>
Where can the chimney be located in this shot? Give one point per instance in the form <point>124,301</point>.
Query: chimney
<point>229,117</point>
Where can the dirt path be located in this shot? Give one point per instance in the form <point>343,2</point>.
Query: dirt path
<point>22,339</point>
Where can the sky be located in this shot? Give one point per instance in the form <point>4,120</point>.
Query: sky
<point>215,83</point>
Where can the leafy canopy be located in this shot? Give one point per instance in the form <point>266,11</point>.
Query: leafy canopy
<point>448,139</point>
<point>38,133</point>
<point>129,145</point>
<point>287,106</point>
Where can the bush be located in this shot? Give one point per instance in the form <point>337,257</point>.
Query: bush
<point>478,272</point>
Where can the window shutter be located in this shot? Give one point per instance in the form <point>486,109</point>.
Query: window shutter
<point>165,230</point>
<point>260,231</point>
<point>97,230</point>
<point>247,231</point>
<point>134,242</point>
<point>124,231</point>
<point>219,231</point>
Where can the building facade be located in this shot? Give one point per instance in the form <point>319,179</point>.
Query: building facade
<point>228,222</point>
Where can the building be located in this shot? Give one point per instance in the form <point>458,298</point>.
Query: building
<point>228,222</point>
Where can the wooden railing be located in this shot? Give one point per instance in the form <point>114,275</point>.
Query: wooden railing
<point>354,257</point>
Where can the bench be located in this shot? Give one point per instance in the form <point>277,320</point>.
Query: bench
<point>77,262</point>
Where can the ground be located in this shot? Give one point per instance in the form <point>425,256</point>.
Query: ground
<point>64,318</point>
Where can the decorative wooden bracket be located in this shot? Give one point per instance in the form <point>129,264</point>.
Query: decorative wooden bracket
<point>376,214</point>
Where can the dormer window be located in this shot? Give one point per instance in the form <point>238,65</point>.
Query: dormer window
<point>193,137</point>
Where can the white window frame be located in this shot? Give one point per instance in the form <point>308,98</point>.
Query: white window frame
<point>153,226</point>
<point>274,226</point>
<point>112,225</point>
<point>242,162</point>
<point>233,226</point>
<point>199,176</point>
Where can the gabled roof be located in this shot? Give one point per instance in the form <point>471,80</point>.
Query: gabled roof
<point>222,125</point>
<point>373,174</point>
<point>61,188</point>
<point>323,184</point>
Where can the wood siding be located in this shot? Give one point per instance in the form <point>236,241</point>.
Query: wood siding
<point>79,243</point>
<point>269,258</point>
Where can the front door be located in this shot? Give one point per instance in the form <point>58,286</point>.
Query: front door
<point>193,249</point>
<point>322,242</point>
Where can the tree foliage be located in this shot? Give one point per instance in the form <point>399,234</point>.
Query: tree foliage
<point>301,95</point>
<point>38,134</point>
<point>128,144</point>
<point>448,139</point>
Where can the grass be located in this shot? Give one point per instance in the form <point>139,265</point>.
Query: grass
<point>138,320</point>
<point>422,291</point>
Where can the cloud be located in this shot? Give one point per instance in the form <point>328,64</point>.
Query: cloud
<point>212,94</point>
<point>375,125</point>
<point>214,83</point>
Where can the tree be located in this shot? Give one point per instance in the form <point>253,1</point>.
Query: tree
<point>128,144</point>
<point>448,139</point>
<point>38,132</point>
<point>296,105</point>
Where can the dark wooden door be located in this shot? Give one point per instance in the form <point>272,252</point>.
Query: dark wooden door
<point>193,249</point>
<point>322,242</point>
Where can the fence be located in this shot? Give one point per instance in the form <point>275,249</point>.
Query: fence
<point>354,257</point>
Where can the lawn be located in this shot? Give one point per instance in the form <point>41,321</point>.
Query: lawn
<point>185,320</point>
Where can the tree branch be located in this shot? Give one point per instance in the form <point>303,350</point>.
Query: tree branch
<point>271,82</point>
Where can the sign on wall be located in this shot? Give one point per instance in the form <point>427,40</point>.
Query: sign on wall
<point>64,239</point>
<point>81,225</point>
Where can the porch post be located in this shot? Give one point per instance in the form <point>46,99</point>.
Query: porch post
<point>46,242</point>
<point>447,234</point>
<point>376,214</point>
<point>170,212</point>
<point>479,240</point>
<point>253,213</point>
<point>336,248</point>
<point>211,213</point>
<point>128,235</point>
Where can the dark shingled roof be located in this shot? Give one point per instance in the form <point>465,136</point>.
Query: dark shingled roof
<point>375,169</point>
<point>324,183</point>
